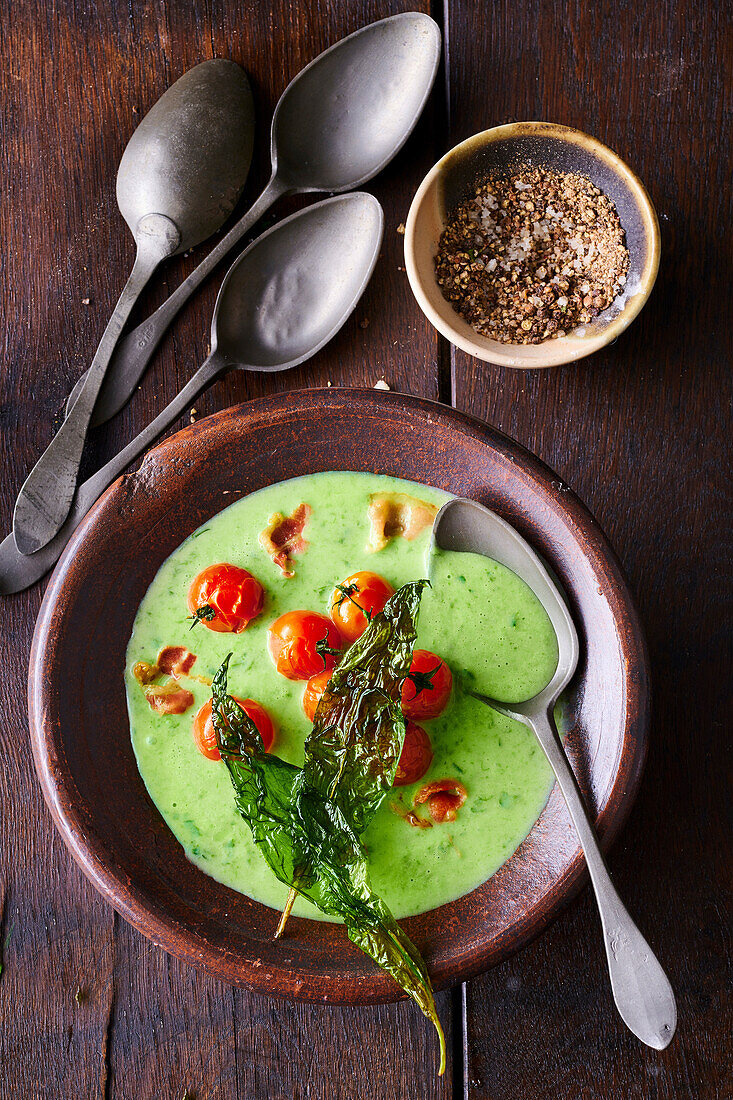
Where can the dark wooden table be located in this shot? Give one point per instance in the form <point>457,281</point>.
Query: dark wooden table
<point>88,1008</point>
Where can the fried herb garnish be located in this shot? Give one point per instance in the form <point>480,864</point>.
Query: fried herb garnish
<point>306,822</point>
<point>354,747</point>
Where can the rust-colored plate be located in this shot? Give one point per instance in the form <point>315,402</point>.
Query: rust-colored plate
<point>81,740</point>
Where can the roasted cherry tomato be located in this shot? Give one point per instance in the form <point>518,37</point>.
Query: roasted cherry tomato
<point>302,643</point>
<point>426,691</point>
<point>314,689</point>
<point>363,590</point>
<point>204,733</point>
<point>416,756</point>
<point>225,598</point>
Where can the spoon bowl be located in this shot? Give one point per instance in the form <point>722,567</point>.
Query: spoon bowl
<point>290,292</point>
<point>180,176</point>
<point>467,527</point>
<point>189,158</point>
<point>641,989</point>
<point>350,111</point>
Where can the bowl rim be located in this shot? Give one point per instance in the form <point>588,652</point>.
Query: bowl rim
<point>560,351</point>
<point>149,915</point>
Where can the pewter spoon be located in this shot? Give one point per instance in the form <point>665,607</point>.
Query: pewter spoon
<point>179,179</point>
<point>283,299</point>
<point>641,990</point>
<point>337,124</point>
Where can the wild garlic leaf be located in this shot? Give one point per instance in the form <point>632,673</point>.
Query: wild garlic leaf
<point>352,752</point>
<point>307,822</point>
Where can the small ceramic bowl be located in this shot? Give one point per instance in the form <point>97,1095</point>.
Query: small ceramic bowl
<point>503,148</point>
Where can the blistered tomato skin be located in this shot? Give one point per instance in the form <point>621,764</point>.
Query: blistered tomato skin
<point>314,689</point>
<point>359,592</point>
<point>427,693</point>
<point>416,756</point>
<point>204,733</point>
<point>233,594</point>
<point>303,643</point>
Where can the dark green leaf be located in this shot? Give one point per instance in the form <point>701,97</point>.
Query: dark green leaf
<point>307,822</point>
<point>352,752</point>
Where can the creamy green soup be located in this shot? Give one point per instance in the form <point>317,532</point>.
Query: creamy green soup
<point>479,617</point>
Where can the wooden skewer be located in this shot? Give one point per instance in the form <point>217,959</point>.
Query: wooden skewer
<point>286,912</point>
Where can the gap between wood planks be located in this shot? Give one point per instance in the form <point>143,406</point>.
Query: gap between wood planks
<point>446,394</point>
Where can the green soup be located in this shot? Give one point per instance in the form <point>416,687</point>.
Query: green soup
<point>479,617</point>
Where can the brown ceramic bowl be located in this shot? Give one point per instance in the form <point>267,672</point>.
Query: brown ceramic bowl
<point>79,726</point>
<point>499,150</point>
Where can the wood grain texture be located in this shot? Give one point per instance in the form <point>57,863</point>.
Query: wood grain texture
<point>642,432</point>
<point>79,78</point>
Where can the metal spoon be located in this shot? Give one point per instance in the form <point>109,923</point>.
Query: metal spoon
<point>179,179</point>
<point>283,299</point>
<point>337,124</point>
<point>641,989</point>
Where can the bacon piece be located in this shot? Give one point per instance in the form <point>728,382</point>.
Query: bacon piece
<point>410,816</point>
<point>396,514</point>
<point>283,537</point>
<point>175,660</point>
<point>444,798</point>
<point>168,698</point>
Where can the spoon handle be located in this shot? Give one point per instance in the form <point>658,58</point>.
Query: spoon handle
<point>135,350</point>
<point>641,989</point>
<point>46,495</point>
<point>18,571</point>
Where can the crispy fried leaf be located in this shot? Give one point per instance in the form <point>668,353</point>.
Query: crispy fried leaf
<point>263,783</point>
<point>352,752</point>
<point>307,822</point>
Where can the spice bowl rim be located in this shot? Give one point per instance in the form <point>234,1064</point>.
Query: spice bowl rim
<point>426,219</point>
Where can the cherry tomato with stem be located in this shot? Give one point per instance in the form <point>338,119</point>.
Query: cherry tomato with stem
<point>427,689</point>
<point>302,643</point>
<point>356,601</point>
<point>204,733</point>
<point>225,598</point>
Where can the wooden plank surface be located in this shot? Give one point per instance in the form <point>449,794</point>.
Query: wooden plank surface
<point>87,1006</point>
<point>642,433</point>
<point>80,78</point>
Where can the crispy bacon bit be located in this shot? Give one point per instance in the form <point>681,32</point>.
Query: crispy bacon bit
<point>175,661</point>
<point>410,816</point>
<point>444,798</point>
<point>168,698</point>
<point>283,537</point>
<point>396,514</point>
